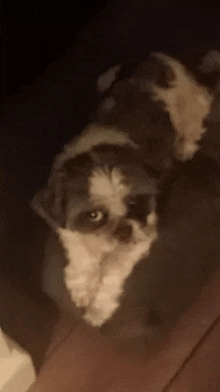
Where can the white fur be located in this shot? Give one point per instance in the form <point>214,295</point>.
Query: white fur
<point>91,137</point>
<point>82,273</point>
<point>106,79</point>
<point>110,188</point>
<point>188,103</point>
<point>97,268</point>
<point>116,268</point>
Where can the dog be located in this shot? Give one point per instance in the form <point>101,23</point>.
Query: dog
<point>101,197</point>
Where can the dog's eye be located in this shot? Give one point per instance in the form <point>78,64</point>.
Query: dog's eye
<point>96,216</point>
<point>91,220</point>
<point>132,202</point>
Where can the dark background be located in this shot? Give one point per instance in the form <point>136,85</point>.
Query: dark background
<point>51,56</point>
<point>35,33</point>
<point>39,81</point>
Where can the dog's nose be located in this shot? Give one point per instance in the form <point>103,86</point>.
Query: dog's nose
<point>124,232</point>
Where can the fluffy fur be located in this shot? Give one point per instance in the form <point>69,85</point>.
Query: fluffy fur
<point>187,101</point>
<point>154,117</point>
<point>100,260</point>
<point>117,266</point>
<point>188,104</point>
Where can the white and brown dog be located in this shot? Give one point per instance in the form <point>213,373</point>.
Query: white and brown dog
<point>101,195</point>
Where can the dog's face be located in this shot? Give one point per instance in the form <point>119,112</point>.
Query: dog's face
<point>106,196</point>
<point>101,203</point>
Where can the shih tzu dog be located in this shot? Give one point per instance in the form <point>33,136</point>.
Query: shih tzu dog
<point>102,191</point>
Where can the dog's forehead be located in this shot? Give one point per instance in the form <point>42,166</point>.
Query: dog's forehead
<point>100,182</point>
<point>108,188</point>
<point>104,178</point>
<point>139,179</point>
<point>107,183</point>
<point>113,190</point>
<point>120,182</point>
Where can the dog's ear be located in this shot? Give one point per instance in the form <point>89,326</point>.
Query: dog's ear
<point>188,104</point>
<point>211,62</point>
<point>210,69</point>
<point>106,80</point>
<point>49,203</point>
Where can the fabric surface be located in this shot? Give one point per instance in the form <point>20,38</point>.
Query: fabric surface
<point>85,361</point>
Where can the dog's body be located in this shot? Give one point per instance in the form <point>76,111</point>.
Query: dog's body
<point>182,260</point>
<point>101,196</point>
